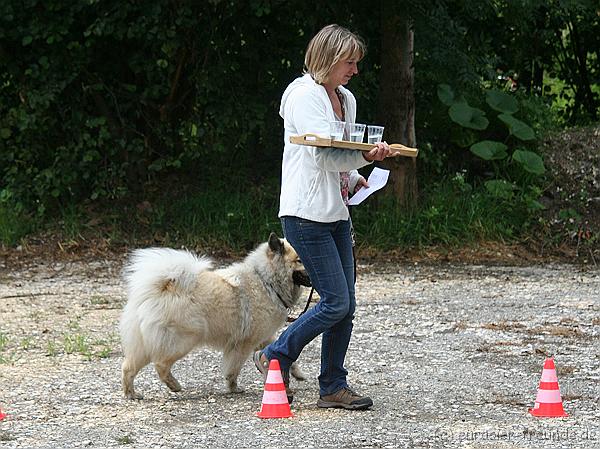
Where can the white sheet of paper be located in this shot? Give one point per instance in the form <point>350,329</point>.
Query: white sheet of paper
<point>377,180</point>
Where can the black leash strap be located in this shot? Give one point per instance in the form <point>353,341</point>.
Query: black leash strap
<point>310,295</point>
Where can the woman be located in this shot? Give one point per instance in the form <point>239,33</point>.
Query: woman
<point>314,216</point>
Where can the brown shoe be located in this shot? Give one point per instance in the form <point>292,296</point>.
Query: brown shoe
<point>262,365</point>
<point>345,398</point>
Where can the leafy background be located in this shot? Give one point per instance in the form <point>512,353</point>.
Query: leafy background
<point>158,120</point>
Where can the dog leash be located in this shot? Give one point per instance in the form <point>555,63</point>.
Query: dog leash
<point>310,295</point>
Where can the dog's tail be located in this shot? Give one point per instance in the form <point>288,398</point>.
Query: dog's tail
<point>155,272</point>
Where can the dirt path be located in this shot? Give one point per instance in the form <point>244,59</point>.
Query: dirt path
<point>451,354</point>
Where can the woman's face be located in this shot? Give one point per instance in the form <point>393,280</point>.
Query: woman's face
<point>342,71</point>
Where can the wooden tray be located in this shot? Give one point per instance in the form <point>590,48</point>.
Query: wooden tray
<point>317,141</point>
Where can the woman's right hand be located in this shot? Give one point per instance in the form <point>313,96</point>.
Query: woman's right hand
<point>378,153</point>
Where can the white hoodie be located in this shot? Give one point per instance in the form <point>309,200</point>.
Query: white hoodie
<point>310,178</point>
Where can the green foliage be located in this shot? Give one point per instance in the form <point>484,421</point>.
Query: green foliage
<point>453,212</point>
<point>530,161</point>
<point>14,224</point>
<point>499,188</point>
<point>4,339</point>
<point>463,114</point>
<point>516,169</point>
<point>445,94</point>
<point>501,101</point>
<point>517,128</point>
<point>125,439</point>
<point>6,356</point>
<point>77,343</point>
<point>79,120</point>
<point>539,40</point>
<point>489,150</point>
<point>51,348</point>
<point>214,215</point>
<point>100,102</point>
<point>467,116</point>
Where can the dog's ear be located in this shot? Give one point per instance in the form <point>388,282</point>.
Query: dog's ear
<point>275,243</point>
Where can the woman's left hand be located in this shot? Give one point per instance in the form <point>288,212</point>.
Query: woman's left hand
<point>362,182</point>
<point>378,153</point>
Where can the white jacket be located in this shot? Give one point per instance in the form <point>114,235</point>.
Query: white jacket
<point>310,177</point>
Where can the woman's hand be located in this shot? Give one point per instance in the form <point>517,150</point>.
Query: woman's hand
<point>362,182</point>
<point>378,153</point>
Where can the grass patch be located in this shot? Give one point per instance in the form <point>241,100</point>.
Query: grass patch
<point>105,348</point>
<point>36,316</point>
<point>4,339</point>
<point>77,343</point>
<point>125,440</point>
<point>448,215</point>
<point>27,343</point>
<point>98,300</point>
<point>233,219</point>
<point>8,359</point>
<point>51,348</point>
<point>5,356</point>
<point>14,225</point>
<point>82,344</point>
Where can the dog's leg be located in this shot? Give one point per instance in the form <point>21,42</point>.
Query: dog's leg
<point>294,369</point>
<point>233,360</point>
<point>129,369</point>
<point>163,368</point>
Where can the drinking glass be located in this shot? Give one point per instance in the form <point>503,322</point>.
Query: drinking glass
<point>375,133</point>
<point>336,130</point>
<point>356,131</point>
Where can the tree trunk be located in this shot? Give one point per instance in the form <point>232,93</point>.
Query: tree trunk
<point>584,94</point>
<point>397,99</point>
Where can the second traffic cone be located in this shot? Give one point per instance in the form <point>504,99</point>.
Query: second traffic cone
<point>275,402</point>
<point>548,402</point>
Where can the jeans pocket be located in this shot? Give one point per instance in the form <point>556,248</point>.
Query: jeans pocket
<point>305,222</point>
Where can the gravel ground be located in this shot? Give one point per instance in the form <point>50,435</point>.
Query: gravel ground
<point>451,355</point>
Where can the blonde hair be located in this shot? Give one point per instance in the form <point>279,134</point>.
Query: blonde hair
<point>327,47</point>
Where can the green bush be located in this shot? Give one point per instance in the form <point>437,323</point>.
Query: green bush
<point>504,144</point>
<point>13,225</point>
<point>97,98</point>
<point>451,212</point>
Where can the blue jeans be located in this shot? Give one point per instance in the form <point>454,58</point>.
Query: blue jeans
<point>325,249</point>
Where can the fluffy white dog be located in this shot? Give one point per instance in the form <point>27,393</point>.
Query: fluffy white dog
<point>176,301</point>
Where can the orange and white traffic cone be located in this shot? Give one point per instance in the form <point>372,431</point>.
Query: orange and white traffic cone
<point>548,402</point>
<point>275,402</point>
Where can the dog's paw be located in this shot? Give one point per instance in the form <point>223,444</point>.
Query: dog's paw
<point>235,389</point>
<point>134,396</point>
<point>297,372</point>
<point>174,386</point>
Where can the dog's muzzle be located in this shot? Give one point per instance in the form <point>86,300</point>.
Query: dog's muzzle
<point>301,278</point>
